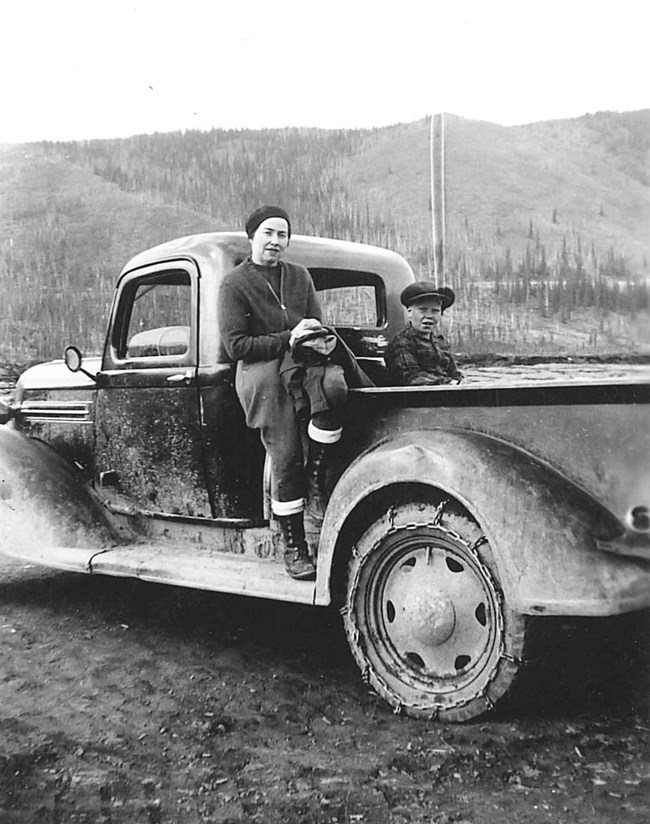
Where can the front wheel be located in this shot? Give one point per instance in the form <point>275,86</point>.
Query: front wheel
<point>425,616</point>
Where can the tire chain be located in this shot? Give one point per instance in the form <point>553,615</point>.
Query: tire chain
<point>367,669</point>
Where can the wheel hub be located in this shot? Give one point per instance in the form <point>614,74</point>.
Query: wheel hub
<point>434,618</point>
<point>435,612</point>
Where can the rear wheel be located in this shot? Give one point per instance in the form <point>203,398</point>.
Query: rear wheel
<point>425,616</point>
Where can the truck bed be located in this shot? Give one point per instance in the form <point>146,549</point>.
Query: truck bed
<point>525,374</point>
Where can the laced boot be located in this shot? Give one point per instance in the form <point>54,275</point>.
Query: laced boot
<point>297,560</point>
<point>316,502</point>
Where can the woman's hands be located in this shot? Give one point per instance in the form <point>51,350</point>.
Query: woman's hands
<point>307,326</point>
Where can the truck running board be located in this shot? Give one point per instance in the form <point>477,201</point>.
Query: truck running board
<point>170,564</point>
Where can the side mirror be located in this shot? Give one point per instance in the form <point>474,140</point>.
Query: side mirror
<point>73,360</point>
<point>72,357</point>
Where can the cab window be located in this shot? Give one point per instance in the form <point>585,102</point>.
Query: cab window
<point>155,319</point>
<point>349,298</point>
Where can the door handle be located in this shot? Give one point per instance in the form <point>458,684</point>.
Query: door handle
<point>179,378</point>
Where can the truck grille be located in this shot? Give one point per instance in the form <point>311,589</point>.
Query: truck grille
<point>63,411</point>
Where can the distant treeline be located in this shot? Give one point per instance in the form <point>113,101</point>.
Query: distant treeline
<point>227,173</point>
<point>57,271</point>
<point>626,137</point>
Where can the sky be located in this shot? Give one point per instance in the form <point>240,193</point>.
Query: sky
<point>74,70</point>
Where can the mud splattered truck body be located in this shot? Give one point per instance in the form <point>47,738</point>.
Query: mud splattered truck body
<point>454,512</point>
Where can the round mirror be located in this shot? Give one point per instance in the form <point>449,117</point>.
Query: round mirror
<point>72,358</point>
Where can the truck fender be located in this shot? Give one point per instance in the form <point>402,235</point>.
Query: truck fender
<point>45,501</point>
<point>543,529</point>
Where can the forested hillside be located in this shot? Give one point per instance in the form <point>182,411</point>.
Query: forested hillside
<point>65,234</point>
<point>547,224</point>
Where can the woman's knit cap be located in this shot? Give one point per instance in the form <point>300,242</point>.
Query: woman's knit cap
<point>263,213</point>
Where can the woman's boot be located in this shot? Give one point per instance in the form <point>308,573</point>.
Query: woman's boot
<point>316,503</point>
<point>320,440</point>
<point>297,559</point>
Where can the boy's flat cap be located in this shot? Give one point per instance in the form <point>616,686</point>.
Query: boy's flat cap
<point>427,289</point>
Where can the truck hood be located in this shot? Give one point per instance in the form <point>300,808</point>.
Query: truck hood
<point>56,375</point>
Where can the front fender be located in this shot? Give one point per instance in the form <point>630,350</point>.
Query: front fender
<point>543,529</point>
<point>44,502</point>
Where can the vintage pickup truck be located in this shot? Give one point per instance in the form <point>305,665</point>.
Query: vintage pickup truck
<point>454,512</point>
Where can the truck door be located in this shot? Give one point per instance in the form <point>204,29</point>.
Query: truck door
<point>148,423</point>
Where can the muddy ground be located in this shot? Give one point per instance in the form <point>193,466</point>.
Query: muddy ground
<point>122,701</point>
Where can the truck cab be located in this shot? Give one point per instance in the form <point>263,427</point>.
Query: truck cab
<point>168,429</point>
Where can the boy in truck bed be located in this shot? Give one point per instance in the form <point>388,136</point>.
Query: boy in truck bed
<point>420,355</point>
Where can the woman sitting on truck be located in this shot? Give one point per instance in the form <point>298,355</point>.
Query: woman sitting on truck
<point>267,306</point>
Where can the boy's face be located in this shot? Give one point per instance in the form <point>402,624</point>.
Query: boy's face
<point>424,316</point>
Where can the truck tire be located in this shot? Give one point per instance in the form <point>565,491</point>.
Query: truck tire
<point>425,616</point>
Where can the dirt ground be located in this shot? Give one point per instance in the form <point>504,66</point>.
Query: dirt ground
<point>129,702</point>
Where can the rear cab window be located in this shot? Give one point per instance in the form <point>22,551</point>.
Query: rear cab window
<point>355,303</point>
